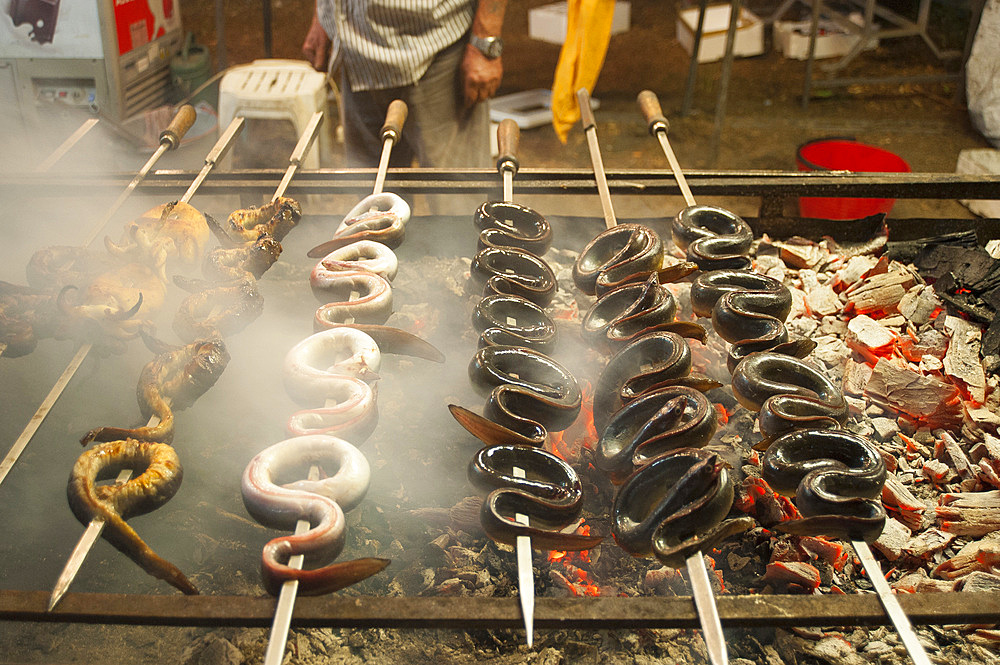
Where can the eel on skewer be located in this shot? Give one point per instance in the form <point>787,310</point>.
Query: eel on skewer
<point>159,481</point>
<point>173,380</point>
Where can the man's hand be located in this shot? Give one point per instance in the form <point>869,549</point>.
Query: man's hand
<point>480,76</point>
<point>316,47</point>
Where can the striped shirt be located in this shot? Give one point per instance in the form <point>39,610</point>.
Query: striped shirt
<point>391,43</point>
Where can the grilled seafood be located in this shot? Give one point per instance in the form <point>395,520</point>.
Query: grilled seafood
<point>333,373</point>
<point>174,229</point>
<point>514,272</point>
<point>748,310</point>
<point>379,217</point>
<point>512,321</point>
<point>675,506</point>
<point>654,424</point>
<point>226,264</point>
<point>551,495</point>
<point>155,485</point>
<point>633,310</point>
<point>529,395</point>
<point>173,380</point>
<point>219,310</point>
<point>650,362</point>
<point>714,238</point>
<point>505,224</point>
<point>275,218</point>
<point>26,315</point>
<point>52,268</point>
<point>114,306</point>
<point>274,499</point>
<point>789,394</point>
<point>619,255</point>
<point>836,478</point>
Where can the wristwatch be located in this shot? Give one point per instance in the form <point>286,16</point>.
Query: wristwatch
<point>491,47</point>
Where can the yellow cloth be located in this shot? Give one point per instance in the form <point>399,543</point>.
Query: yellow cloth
<point>588,32</point>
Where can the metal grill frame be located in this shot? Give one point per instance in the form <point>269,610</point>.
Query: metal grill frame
<point>771,187</point>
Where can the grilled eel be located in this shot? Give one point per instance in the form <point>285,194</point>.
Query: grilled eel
<point>159,481</point>
<point>174,379</point>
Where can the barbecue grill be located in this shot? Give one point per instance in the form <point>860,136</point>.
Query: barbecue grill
<point>418,452</point>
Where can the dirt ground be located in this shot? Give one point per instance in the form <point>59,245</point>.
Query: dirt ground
<point>765,121</point>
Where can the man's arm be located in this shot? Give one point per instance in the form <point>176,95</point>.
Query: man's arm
<point>481,75</point>
<point>316,47</point>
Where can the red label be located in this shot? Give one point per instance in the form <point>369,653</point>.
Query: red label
<point>139,22</point>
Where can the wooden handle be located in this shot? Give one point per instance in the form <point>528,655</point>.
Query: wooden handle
<point>586,113</point>
<point>508,140</point>
<point>179,126</point>
<point>650,106</point>
<point>395,118</point>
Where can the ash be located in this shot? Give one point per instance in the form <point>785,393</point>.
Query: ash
<point>911,375</point>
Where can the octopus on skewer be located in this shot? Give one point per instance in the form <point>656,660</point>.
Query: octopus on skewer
<point>528,393</point>
<point>276,218</point>
<point>158,481</point>
<point>172,230</point>
<point>26,315</point>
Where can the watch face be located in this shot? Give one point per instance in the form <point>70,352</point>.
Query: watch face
<point>491,47</point>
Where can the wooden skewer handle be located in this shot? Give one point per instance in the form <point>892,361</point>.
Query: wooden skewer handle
<point>179,126</point>
<point>395,118</point>
<point>650,106</point>
<point>508,142</point>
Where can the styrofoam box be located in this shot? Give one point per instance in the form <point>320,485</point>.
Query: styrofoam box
<point>980,161</point>
<point>791,38</point>
<point>749,32</point>
<point>549,23</point>
<point>528,108</point>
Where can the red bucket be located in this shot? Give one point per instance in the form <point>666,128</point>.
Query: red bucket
<point>845,154</point>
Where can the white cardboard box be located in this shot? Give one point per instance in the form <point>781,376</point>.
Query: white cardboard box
<point>549,23</point>
<point>791,38</point>
<point>980,161</point>
<point>749,32</point>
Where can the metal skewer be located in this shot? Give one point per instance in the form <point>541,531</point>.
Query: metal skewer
<point>891,604</point>
<point>278,639</point>
<point>67,145</point>
<point>170,138</point>
<point>590,130</point>
<point>658,125</point>
<point>221,146</point>
<point>508,137</point>
<point>701,590</point>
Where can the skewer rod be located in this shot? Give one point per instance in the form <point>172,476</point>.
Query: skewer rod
<point>658,126</point>
<point>708,613</point>
<point>301,148</point>
<point>508,136</point>
<point>170,138</point>
<point>217,152</point>
<point>278,639</point>
<point>67,145</point>
<point>42,411</point>
<point>590,129</point>
<point>891,604</point>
